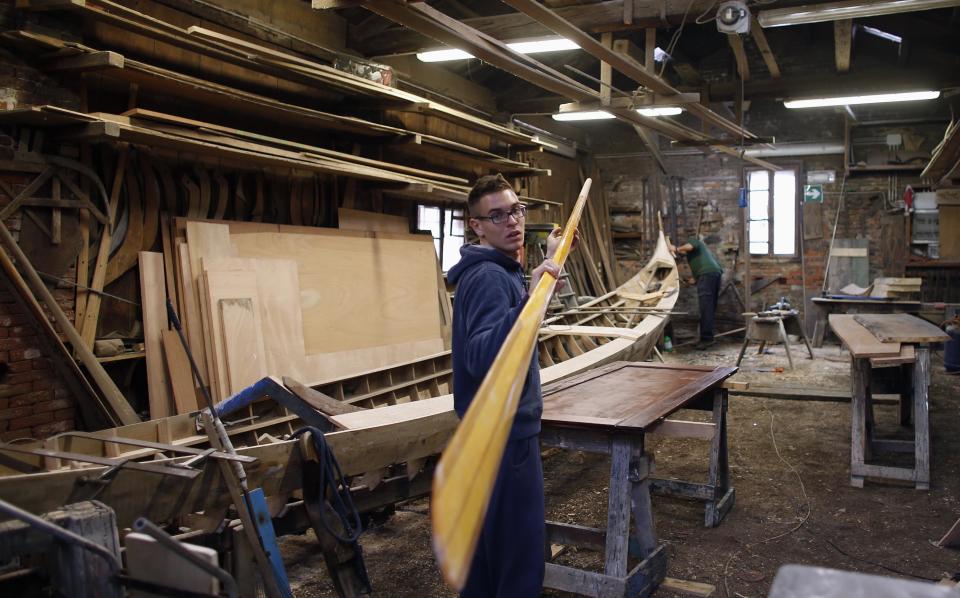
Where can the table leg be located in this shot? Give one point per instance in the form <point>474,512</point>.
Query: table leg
<point>803,335</point>
<point>644,533</point>
<point>921,417</point>
<point>719,474</point>
<point>786,342</point>
<point>743,347</point>
<point>618,509</point>
<point>859,374</point>
<point>819,327</point>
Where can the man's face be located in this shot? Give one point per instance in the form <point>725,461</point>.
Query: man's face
<point>506,237</point>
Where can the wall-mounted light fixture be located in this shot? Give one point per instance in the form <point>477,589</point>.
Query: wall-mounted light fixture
<point>533,46</point>
<point>880,98</point>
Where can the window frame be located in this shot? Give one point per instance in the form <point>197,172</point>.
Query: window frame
<point>445,226</point>
<point>798,172</point>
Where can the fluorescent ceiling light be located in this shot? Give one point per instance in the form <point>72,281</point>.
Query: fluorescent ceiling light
<point>661,111</point>
<point>882,34</point>
<point>848,9</point>
<point>881,98</point>
<point>585,115</point>
<point>603,115</point>
<point>443,55</point>
<point>659,55</point>
<point>553,44</point>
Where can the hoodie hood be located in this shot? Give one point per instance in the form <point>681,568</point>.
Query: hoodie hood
<point>474,254</point>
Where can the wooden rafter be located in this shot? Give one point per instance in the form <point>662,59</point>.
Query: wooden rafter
<point>740,54</point>
<point>595,18</point>
<point>842,43</point>
<point>768,57</point>
<point>447,30</point>
<point>624,64</point>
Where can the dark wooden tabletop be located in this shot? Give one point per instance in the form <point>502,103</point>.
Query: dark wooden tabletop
<point>627,396</point>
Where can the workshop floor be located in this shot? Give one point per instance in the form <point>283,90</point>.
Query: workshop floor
<point>794,504</point>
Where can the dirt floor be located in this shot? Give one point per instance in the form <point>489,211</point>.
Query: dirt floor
<point>789,465</point>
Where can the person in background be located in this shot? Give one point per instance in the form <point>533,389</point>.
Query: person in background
<point>706,273</point>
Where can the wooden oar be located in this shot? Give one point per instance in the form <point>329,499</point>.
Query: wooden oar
<point>464,478</point>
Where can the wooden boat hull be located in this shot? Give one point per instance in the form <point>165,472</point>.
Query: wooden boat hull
<point>412,421</point>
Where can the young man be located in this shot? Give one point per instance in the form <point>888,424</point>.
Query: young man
<point>490,295</point>
<point>707,272</point>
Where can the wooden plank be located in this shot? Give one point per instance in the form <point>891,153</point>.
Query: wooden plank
<point>689,588</point>
<point>242,342</point>
<point>179,373</point>
<point>900,328</point>
<point>205,241</point>
<point>153,303</point>
<point>383,284</point>
<point>768,56</point>
<point>277,287</point>
<point>858,340</point>
<point>360,220</point>
<point>216,287</point>
<point>844,270</point>
<point>907,355</point>
<point>740,55</point>
<point>842,43</point>
<point>88,328</point>
<point>812,220</point>
<point>125,257</point>
<point>850,252</point>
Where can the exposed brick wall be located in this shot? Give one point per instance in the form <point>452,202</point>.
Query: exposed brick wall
<point>34,403</point>
<point>715,181</point>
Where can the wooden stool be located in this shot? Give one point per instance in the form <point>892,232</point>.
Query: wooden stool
<point>766,328</point>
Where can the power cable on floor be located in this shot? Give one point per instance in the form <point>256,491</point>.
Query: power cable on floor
<point>803,520</point>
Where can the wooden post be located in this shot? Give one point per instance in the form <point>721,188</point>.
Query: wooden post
<point>921,417</point>
<point>606,73</point>
<point>618,510</point>
<point>859,374</point>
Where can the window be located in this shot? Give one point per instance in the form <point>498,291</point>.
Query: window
<point>772,210</point>
<point>446,227</point>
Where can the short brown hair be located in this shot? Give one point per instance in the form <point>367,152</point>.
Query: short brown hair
<point>491,183</point>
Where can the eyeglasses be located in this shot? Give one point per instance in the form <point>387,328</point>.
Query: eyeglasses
<point>519,212</point>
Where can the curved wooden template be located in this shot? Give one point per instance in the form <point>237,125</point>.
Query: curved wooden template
<point>151,205</point>
<point>256,215</point>
<point>204,178</point>
<point>223,195</point>
<point>296,217</point>
<point>193,196</point>
<point>169,189</point>
<point>240,203</point>
<point>126,255</point>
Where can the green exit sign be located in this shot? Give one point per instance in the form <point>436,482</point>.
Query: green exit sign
<point>812,193</point>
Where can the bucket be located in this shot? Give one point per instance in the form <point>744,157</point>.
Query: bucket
<point>951,350</point>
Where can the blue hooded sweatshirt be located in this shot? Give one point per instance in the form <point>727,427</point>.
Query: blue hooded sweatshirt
<point>491,292</point>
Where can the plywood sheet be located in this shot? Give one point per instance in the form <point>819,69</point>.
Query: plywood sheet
<point>847,266</point>
<point>180,373</point>
<point>372,221</point>
<point>860,341</point>
<point>204,241</point>
<point>217,286</point>
<point>901,328</point>
<point>627,396</point>
<point>153,299</point>
<point>277,290</point>
<point>812,220</point>
<point>357,291</point>
<point>242,343</point>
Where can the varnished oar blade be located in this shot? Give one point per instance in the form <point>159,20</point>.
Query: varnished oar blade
<point>464,478</point>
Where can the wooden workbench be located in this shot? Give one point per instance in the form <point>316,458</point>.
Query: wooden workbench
<point>879,341</point>
<point>824,307</point>
<point>609,410</point>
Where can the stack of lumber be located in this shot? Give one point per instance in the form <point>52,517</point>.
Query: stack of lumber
<point>897,288</point>
<point>259,299</point>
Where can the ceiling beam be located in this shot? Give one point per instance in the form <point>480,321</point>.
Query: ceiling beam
<point>845,9</point>
<point>596,18</point>
<point>447,30</point>
<point>768,57</point>
<point>740,55</point>
<point>624,64</point>
<point>842,44</point>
